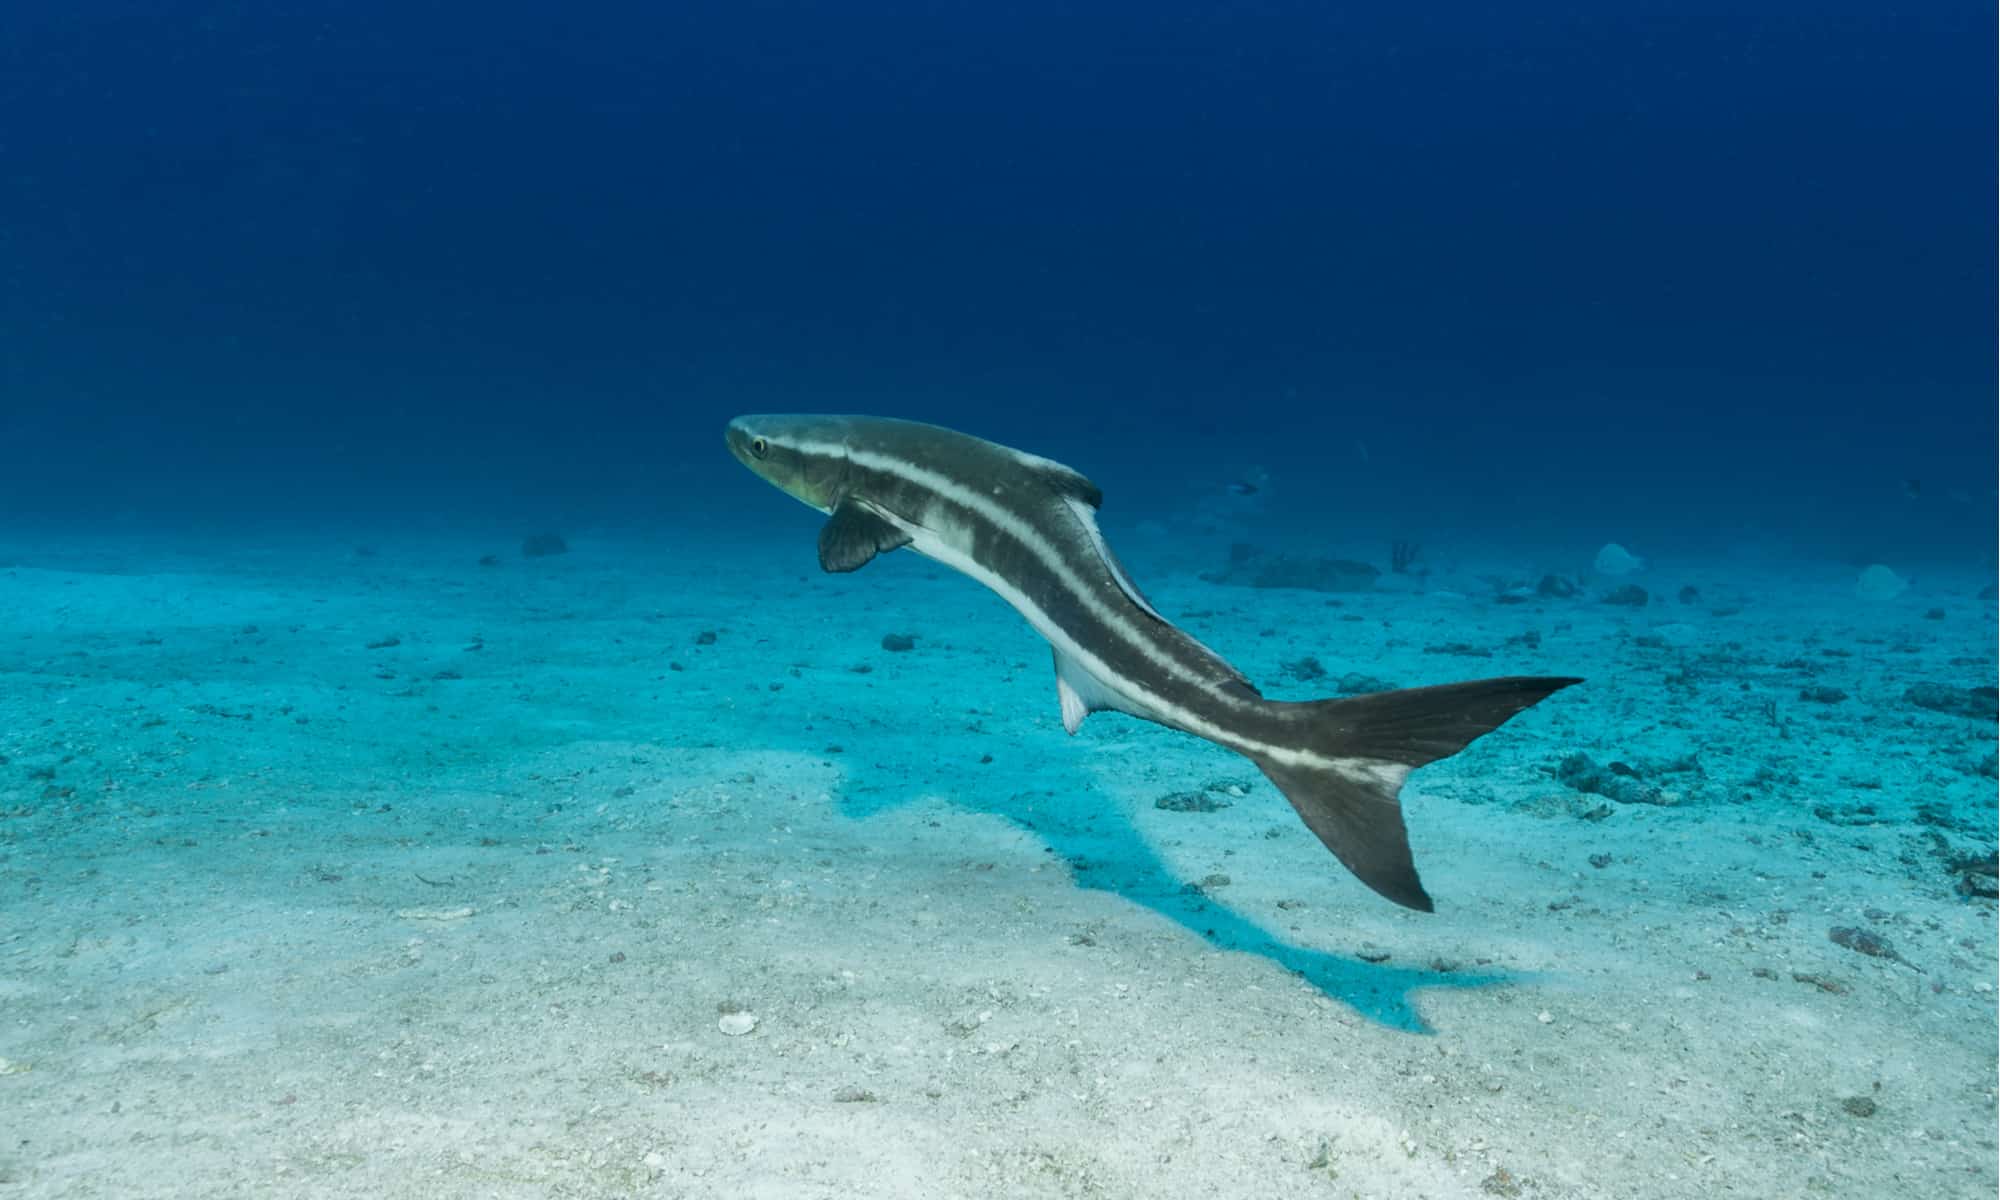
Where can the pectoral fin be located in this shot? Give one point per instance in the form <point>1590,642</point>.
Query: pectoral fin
<point>853,535</point>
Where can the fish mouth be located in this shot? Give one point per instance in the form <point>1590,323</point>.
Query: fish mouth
<point>737,438</point>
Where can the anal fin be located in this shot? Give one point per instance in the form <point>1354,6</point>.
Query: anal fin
<point>1081,694</point>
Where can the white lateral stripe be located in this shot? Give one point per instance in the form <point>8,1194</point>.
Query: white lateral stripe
<point>1088,517</point>
<point>927,543</point>
<point>1367,771</point>
<point>965,497</point>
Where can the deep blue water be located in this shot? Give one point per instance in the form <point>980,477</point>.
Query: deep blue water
<point>1692,275</point>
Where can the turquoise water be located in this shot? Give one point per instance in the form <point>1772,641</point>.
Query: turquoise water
<point>341,870</point>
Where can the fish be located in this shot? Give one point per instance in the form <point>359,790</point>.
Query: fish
<point>1249,483</point>
<point>1026,528</point>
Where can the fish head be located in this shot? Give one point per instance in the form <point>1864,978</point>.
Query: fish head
<point>803,456</point>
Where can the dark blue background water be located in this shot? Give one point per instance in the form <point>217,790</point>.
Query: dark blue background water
<point>1675,272</point>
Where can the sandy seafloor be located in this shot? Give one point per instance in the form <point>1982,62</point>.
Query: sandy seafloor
<point>288,910</point>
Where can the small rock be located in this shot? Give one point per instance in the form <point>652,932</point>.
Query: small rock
<point>1197,802</point>
<point>437,914</point>
<point>1600,861</point>
<point>1250,566</point>
<point>1371,953</point>
<point>1614,559</point>
<point>1305,669</point>
<point>898,643</point>
<point>1361,685</point>
<point>705,638</point>
<point>1867,941</point>
<point>1858,1106</point>
<point>1629,596</point>
<point>736,1024</point>
<point>1580,772</point>
<point>1822,695</point>
<point>1978,703</point>
<point>542,545</point>
<point>1555,587</point>
<point>854,1095</point>
<point>1878,583</point>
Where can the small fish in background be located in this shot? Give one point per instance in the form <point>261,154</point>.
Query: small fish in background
<point>1249,483</point>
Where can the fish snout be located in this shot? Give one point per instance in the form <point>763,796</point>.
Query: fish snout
<point>744,442</point>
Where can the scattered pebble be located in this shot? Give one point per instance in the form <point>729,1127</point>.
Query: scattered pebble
<point>898,643</point>
<point>736,1024</point>
<point>1858,1106</point>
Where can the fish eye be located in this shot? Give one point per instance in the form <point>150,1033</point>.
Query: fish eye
<point>759,447</point>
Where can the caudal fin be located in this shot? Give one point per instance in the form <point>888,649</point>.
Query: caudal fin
<point>1358,751</point>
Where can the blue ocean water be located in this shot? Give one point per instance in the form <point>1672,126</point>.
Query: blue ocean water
<point>1697,273</point>
<point>347,844</point>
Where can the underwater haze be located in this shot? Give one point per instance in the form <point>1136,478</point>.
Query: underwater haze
<point>432,764</point>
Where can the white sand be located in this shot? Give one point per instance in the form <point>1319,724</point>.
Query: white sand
<point>284,915</point>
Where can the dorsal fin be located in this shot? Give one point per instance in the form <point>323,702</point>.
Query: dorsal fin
<point>1088,518</point>
<point>1067,482</point>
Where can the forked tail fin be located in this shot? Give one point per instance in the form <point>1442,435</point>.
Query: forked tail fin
<point>1359,750</point>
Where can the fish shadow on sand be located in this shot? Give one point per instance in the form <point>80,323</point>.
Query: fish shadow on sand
<point>1109,854</point>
